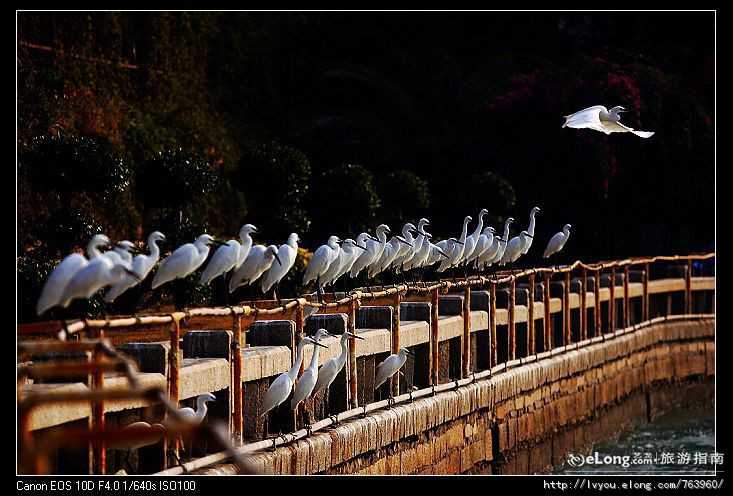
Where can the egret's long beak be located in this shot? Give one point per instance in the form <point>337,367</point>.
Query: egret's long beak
<point>133,274</point>
<point>442,252</point>
<point>278,259</point>
<point>359,246</point>
<point>529,236</point>
<point>352,335</point>
<point>403,240</point>
<point>460,242</point>
<point>319,344</point>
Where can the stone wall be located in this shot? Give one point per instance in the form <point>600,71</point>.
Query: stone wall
<point>523,420</point>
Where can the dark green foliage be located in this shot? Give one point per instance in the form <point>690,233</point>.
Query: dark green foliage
<point>404,196</point>
<point>345,202</point>
<point>275,180</point>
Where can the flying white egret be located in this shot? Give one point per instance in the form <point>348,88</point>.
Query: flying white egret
<point>287,253</point>
<point>530,229</point>
<point>389,367</point>
<point>321,260</point>
<point>281,387</point>
<point>557,242</point>
<point>259,260</point>
<point>374,249</point>
<point>456,248</point>
<point>331,368</point>
<point>229,256</point>
<point>53,289</point>
<point>600,119</point>
<point>184,260</point>
<point>101,272</point>
<point>307,380</point>
<point>472,240</point>
<point>141,265</point>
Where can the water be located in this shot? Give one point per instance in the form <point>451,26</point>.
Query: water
<point>659,447</point>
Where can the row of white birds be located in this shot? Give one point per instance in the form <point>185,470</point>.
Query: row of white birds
<point>314,380</point>
<point>80,277</point>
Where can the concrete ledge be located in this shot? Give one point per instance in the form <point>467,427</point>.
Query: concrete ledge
<point>265,361</point>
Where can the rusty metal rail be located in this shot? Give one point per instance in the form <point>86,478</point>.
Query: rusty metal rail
<point>242,316</point>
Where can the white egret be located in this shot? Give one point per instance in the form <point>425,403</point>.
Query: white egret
<point>229,256</point>
<point>405,248</point>
<point>439,250</point>
<point>287,253</point>
<point>184,260</point>
<point>141,434</point>
<point>53,289</point>
<point>491,253</point>
<point>600,119</point>
<point>515,246</point>
<point>391,250</point>
<point>122,250</point>
<point>195,417</point>
<point>389,367</point>
<point>141,265</point>
<point>101,272</point>
<point>472,240</point>
<point>499,258</point>
<point>321,260</point>
<point>483,244</point>
<point>530,229</point>
<point>557,242</point>
<point>456,248</point>
<point>259,260</point>
<point>420,246</point>
<point>348,262</point>
<point>307,380</point>
<point>331,368</point>
<point>347,254</point>
<point>281,387</point>
<point>374,249</point>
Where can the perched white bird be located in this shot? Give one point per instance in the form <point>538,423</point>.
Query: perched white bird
<point>141,265</point>
<point>122,250</point>
<point>439,250</point>
<point>483,244</point>
<point>374,249</point>
<point>332,367</point>
<point>406,248</point>
<point>321,260</point>
<point>287,253</point>
<point>557,242</point>
<point>491,253</point>
<point>307,380</point>
<point>54,287</point>
<point>420,246</point>
<point>184,260</point>
<point>348,262</point>
<point>141,434</point>
<point>499,258</point>
<point>530,229</point>
<point>600,119</point>
<point>348,253</point>
<point>390,366</point>
<point>197,416</point>
<point>101,272</point>
<point>280,388</point>
<point>259,260</point>
<point>472,240</point>
<point>515,246</point>
<point>391,249</point>
<point>456,248</point>
<point>229,256</point>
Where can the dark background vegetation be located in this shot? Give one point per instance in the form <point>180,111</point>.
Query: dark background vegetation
<point>330,123</point>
